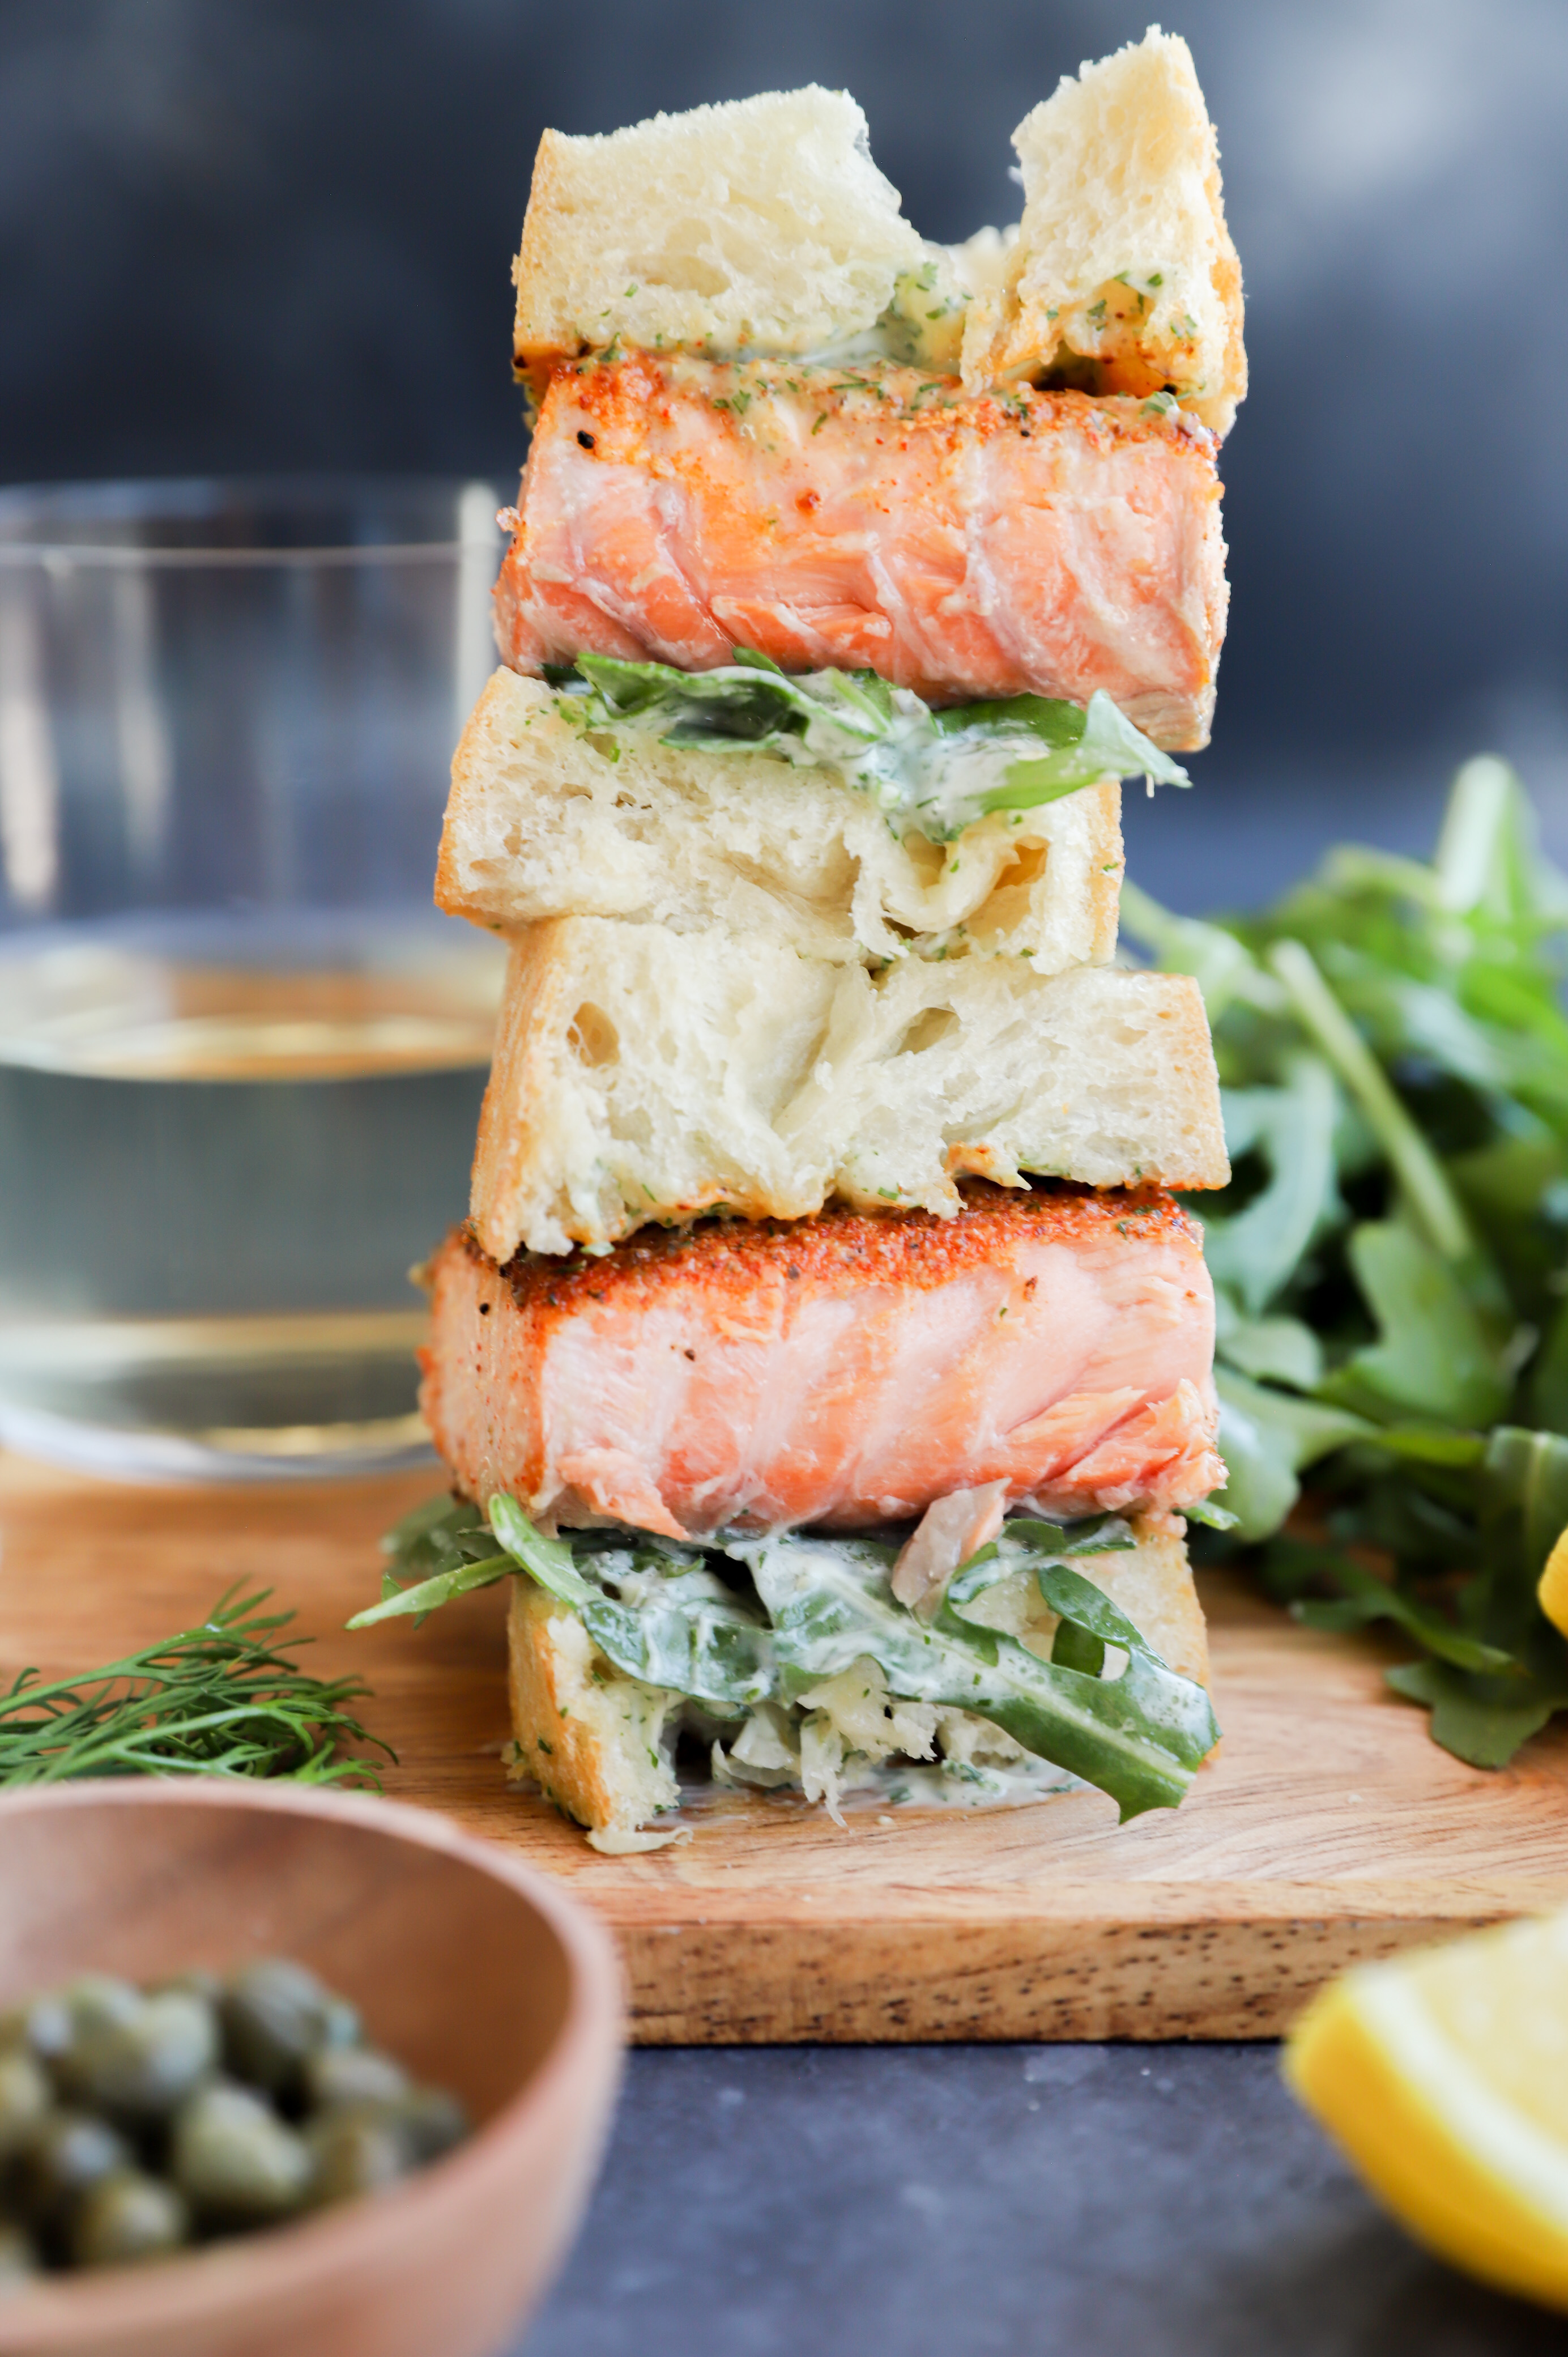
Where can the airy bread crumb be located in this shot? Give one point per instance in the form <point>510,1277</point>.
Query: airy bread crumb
<point>762,222</point>
<point>598,1744</point>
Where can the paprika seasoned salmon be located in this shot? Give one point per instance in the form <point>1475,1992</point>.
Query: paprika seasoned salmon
<point>873,518</point>
<point>840,1371</point>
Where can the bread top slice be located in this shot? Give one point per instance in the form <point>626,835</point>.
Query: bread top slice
<point>1124,277</point>
<point>549,818</point>
<point>763,226</point>
<point>762,222</point>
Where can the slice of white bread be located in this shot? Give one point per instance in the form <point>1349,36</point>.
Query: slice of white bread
<point>548,820</point>
<point>763,226</point>
<point>641,1074</point>
<point>761,223</point>
<point>1123,258</point>
<point>601,1745</point>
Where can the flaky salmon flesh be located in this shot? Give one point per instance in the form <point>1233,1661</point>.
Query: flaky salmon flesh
<point>872,519</point>
<point>840,1371</point>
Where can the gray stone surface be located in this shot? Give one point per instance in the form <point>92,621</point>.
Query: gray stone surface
<point>995,2201</point>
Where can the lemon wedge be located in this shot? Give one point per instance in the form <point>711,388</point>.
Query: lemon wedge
<point>1552,1589</point>
<point>1444,2076</point>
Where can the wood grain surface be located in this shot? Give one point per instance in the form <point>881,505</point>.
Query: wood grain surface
<point>1330,1828</point>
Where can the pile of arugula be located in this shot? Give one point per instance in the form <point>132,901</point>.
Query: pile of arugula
<point>1390,1260</point>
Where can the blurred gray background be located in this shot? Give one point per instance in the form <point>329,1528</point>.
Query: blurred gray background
<point>263,234</point>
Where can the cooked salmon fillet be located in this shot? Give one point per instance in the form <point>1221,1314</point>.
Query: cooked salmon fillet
<point>842,1371</point>
<point>876,518</point>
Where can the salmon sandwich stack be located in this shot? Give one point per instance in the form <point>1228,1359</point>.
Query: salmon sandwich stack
<point>826,1350</point>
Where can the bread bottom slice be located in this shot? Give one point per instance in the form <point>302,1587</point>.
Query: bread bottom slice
<point>548,818</point>
<point>601,1745</point>
<point>642,1075</point>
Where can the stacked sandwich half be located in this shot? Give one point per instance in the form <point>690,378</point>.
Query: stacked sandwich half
<point>825,1344</point>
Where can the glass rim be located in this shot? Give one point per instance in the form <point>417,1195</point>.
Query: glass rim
<point>127,500</point>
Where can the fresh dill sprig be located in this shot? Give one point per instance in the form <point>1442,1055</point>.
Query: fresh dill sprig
<point>217,1700</point>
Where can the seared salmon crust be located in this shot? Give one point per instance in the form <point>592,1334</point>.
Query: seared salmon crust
<point>873,518</point>
<point>844,1369</point>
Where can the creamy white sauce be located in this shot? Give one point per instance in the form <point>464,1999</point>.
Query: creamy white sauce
<point>900,1784</point>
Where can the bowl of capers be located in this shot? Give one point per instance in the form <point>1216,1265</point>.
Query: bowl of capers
<point>284,2071</point>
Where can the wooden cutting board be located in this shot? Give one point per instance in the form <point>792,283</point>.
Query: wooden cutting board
<point>1329,1829</point>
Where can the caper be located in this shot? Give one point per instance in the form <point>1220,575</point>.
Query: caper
<point>431,2122</point>
<point>357,2150</point>
<point>42,2025</point>
<point>138,2061</point>
<point>274,2015</point>
<point>196,1983</point>
<point>18,2258</point>
<point>95,1999</point>
<point>125,2217</point>
<point>352,2075</point>
<point>61,2158</point>
<point>26,2095</point>
<point>232,2156</point>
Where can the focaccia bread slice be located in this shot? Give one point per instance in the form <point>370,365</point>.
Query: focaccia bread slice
<point>762,222</point>
<point>601,1745</point>
<point>547,819</point>
<point>1124,277</point>
<point>763,226</point>
<point>645,1075</point>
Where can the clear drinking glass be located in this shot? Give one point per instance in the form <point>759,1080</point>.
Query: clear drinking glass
<point>240,1055</point>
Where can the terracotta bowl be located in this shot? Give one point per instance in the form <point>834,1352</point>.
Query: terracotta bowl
<point>473,1971</point>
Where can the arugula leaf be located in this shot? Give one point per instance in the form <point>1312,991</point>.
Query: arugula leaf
<point>1139,1737</point>
<point>1363,1599</point>
<point>1254,1252</point>
<point>1266,1437</point>
<point>1269,1350</point>
<point>444,1548</point>
<point>1433,1358</point>
<point>1023,1542</point>
<point>655,1611</point>
<point>932,773</point>
<point>1482,1720</point>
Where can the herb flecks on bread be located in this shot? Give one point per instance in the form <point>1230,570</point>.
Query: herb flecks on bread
<point>1122,277</point>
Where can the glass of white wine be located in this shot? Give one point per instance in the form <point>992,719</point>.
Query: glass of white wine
<point>240,1055</point>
